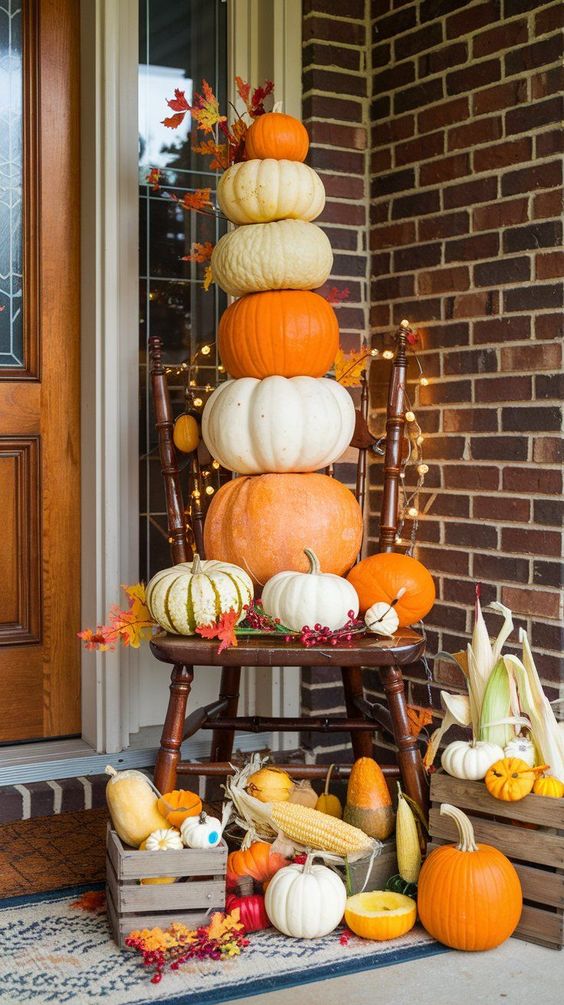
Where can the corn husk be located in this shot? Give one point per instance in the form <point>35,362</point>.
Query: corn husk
<point>496,706</point>
<point>457,713</point>
<point>546,734</point>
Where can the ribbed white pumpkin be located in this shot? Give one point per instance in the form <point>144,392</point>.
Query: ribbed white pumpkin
<point>197,593</point>
<point>278,424</point>
<point>310,598</point>
<point>260,191</point>
<point>305,901</point>
<point>381,619</point>
<point>470,760</point>
<point>201,832</point>
<point>286,255</point>
<point>521,747</point>
<point>164,840</point>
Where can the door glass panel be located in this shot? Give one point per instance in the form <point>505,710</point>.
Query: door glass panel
<point>11,177</point>
<point>181,42</point>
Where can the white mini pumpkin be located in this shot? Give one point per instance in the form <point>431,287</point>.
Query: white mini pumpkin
<point>164,840</point>
<point>305,901</point>
<point>285,255</point>
<point>310,598</point>
<point>278,424</point>
<point>201,832</point>
<point>523,748</point>
<point>469,760</point>
<point>381,619</point>
<point>197,593</point>
<point>260,191</point>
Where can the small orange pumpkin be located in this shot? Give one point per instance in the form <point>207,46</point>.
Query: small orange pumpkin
<point>277,135</point>
<point>511,779</point>
<point>382,577</point>
<point>258,861</point>
<point>178,805</point>
<point>548,786</point>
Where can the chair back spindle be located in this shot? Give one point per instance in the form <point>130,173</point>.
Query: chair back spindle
<point>165,425</point>
<point>395,427</point>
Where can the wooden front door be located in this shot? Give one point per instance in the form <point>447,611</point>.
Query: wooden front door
<point>39,369</point>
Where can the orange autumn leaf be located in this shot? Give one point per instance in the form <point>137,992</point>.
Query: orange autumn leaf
<point>419,717</point>
<point>349,367</point>
<point>154,179</point>
<point>101,639</point>
<point>92,900</point>
<point>217,151</point>
<point>132,626</point>
<point>208,278</point>
<point>179,105</point>
<point>223,629</point>
<point>199,253</point>
<point>198,199</point>
<point>205,109</point>
<point>254,103</point>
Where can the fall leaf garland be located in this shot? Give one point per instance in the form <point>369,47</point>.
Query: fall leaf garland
<point>223,938</point>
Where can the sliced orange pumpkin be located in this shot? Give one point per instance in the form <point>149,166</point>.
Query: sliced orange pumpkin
<point>380,915</point>
<point>176,806</point>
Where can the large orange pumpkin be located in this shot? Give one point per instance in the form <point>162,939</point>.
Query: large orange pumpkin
<point>263,523</point>
<point>381,577</point>
<point>277,135</point>
<point>288,333</point>
<point>468,895</point>
<point>258,861</point>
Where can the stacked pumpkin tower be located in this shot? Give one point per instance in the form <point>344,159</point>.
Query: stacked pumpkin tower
<point>279,421</point>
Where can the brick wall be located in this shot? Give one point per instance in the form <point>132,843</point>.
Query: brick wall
<point>464,178</point>
<point>466,228</point>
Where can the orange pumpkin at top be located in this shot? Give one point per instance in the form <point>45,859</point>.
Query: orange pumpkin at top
<point>288,333</point>
<point>277,135</point>
<point>382,577</point>
<point>263,522</point>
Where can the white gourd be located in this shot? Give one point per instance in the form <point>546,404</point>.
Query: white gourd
<point>470,760</point>
<point>201,832</point>
<point>521,747</point>
<point>261,191</point>
<point>309,598</point>
<point>285,255</point>
<point>278,424</point>
<point>381,619</point>
<point>197,593</point>
<point>305,901</point>
<point>164,840</point>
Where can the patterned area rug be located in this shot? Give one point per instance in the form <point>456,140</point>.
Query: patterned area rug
<point>50,952</point>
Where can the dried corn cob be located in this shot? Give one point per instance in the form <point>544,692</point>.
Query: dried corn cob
<point>407,841</point>
<point>314,829</point>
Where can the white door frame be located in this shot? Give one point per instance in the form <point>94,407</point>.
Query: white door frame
<point>264,42</point>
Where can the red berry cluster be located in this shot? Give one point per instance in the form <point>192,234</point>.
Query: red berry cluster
<point>257,619</point>
<point>321,635</point>
<point>201,948</point>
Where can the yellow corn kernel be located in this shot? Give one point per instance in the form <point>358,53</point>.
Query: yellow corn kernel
<point>318,830</point>
<point>407,841</point>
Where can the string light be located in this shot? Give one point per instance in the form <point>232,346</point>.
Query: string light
<point>388,354</point>
<point>422,469</point>
<point>210,490</point>
<point>198,403</point>
<point>410,416</point>
<point>205,350</point>
<point>374,353</point>
<point>196,493</point>
<point>413,512</point>
<point>423,381</point>
<point>420,440</point>
<point>215,464</point>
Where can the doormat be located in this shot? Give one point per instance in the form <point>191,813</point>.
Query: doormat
<point>52,952</point>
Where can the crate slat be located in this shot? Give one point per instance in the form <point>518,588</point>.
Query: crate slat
<point>171,897</point>
<point>540,926</point>
<point>130,863</point>
<point>474,796</point>
<point>535,846</point>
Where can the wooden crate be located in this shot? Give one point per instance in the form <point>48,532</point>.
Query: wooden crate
<point>537,854</point>
<point>200,890</point>
<point>383,867</point>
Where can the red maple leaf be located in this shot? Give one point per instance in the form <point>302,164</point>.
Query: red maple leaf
<point>179,105</point>
<point>254,103</point>
<point>199,253</point>
<point>223,629</point>
<point>154,179</point>
<point>199,199</point>
<point>336,296</point>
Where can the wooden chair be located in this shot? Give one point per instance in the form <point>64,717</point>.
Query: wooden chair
<point>371,652</point>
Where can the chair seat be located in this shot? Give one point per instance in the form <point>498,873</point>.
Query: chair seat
<point>405,647</point>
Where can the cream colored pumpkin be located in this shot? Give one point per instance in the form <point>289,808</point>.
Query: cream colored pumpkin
<point>470,761</point>
<point>286,255</point>
<point>197,593</point>
<point>278,424</point>
<point>305,901</point>
<point>201,832</point>
<point>309,598</point>
<point>166,839</point>
<point>381,619</point>
<point>132,802</point>
<point>260,191</point>
<point>521,747</point>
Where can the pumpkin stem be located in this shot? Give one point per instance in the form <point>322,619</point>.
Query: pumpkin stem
<point>466,839</point>
<point>328,779</point>
<point>314,566</point>
<point>196,564</point>
<point>109,770</point>
<point>203,817</point>
<point>277,107</point>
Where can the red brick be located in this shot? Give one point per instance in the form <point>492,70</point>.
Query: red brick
<point>382,54</point>
<point>534,115</point>
<point>332,30</point>
<point>473,305</point>
<point>548,326</point>
<point>416,41</point>
<point>502,154</point>
<point>501,271</point>
<point>384,133</point>
<point>446,225</point>
<point>503,389</point>
<point>547,82</point>
<point>355,8</point>
<point>443,448</point>
<point>549,512</point>
<point>472,361</point>
<point>536,603</point>
<point>499,97</point>
<point>469,193</point>
<point>500,38</point>
<point>548,574</point>
<point>393,181</point>
<point>418,204</point>
<point>420,96</point>
<point>499,448</point>
<point>537,235</point>
<point>549,386</point>
<point>525,358</point>
<point>347,161</point>
<point>498,568</point>
<point>549,143</point>
<point>548,449</point>
<point>446,504</point>
<point>444,114</point>
<point>393,77</point>
<point>471,477</point>
<point>549,266</point>
<point>343,239</point>
<point>331,134</point>
<point>531,419</point>
<point>547,636</point>
<point>535,54</point>
<point>442,59</point>
<point>380,315</point>
<point>321,106</point>
<point>420,149</point>
<point>443,280</point>
<point>530,541</point>
<point>502,329</point>
<point>324,54</point>
<point>532,480</point>
<point>423,309</point>
<point>530,178</point>
<point>393,287</point>
<point>445,391</point>
<point>445,560</point>
<point>473,133</point>
<point>393,235</point>
<point>446,169</point>
<point>471,18</point>
<point>417,256</point>
<point>334,81</point>
<point>343,212</point>
<point>465,420</point>
<point>339,186</point>
<point>535,297</point>
<point>380,160</point>
<point>549,19</point>
<point>486,72</point>
<point>448,334</point>
<point>471,535</point>
<point>501,508</point>
<point>467,249</point>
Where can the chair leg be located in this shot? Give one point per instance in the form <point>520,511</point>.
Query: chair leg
<point>409,756</point>
<point>222,739</point>
<point>362,743</point>
<point>171,739</point>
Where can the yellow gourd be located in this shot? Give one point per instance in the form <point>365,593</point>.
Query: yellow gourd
<point>270,785</point>
<point>132,802</point>
<point>549,787</point>
<point>328,803</point>
<point>511,779</point>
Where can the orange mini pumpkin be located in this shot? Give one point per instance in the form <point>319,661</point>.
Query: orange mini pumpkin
<point>178,805</point>
<point>382,577</point>
<point>288,333</point>
<point>511,779</point>
<point>263,522</point>
<point>258,861</point>
<point>277,135</point>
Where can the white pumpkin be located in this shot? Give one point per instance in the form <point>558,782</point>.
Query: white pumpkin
<point>201,832</point>
<point>285,255</point>
<point>305,901</point>
<point>470,760</point>
<point>521,747</point>
<point>164,840</point>
<point>278,424</point>
<point>310,598</point>
<point>381,619</point>
<point>260,191</point>
<point>197,593</point>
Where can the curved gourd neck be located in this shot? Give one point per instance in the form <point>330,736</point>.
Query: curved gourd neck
<point>466,839</point>
<point>314,566</point>
<point>196,564</point>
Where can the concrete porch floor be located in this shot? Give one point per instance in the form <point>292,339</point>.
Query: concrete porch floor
<point>517,972</point>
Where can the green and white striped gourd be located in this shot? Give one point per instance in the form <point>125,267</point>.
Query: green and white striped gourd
<point>197,593</point>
